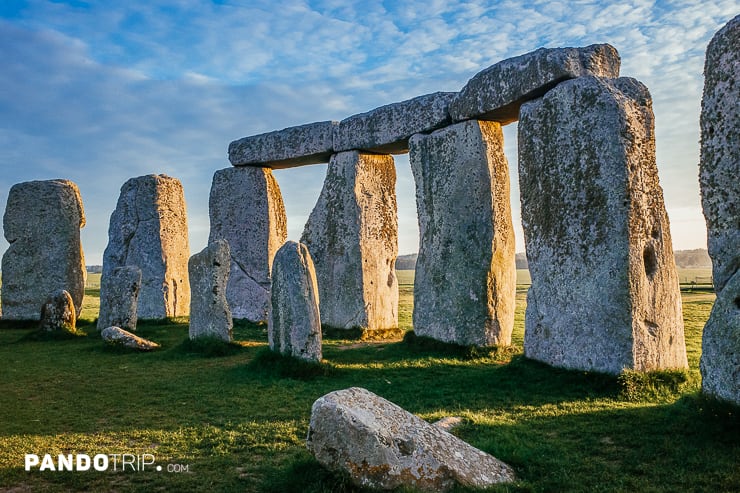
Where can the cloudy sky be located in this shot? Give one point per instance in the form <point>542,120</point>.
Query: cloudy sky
<point>101,91</point>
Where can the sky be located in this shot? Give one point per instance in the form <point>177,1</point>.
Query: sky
<point>101,91</point>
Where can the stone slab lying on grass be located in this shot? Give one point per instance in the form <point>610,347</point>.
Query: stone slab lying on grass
<point>380,445</point>
<point>312,143</point>
<point>497,92</point>
<point>116,336</point>
<point>387,129</point>
<point>58,313</point>
<point>209,311</point>
<point>119,296</point>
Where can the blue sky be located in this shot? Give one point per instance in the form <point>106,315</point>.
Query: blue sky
<point>100,91</point>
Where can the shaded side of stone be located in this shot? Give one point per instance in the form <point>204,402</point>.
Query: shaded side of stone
<point>380,445</point>
<point>149,229</point>
<point>116,336</point>
<point>719,169</point>
<point>604,292</point>
<point>246,209</point>
<point>58,313</point>
<point>465,284</point>
<point>42,223</point>
<point>352,234</point>
<point>294,325</point>
<point>119,296</point>
<point>387,129</point>
<point>209,274</point>
<point>293,146</point>
<point>497,92</point>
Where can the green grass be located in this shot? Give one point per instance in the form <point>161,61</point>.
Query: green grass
<point>237,415</point>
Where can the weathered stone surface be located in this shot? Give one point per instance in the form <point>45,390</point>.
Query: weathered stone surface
<point>605,292</point>
<point>246,209</point>
<point>497,92</point>
<point>42,223</point>
<point>58,313</point>
<point>387,129</point>
<point>119,296</point>
<point>116,336</point>
<point>293,146</point>
<point>465,284</point>
<point>352,234</point>
<point>209,311</point>
<point>294,326</point>
<point>149,229</point>
<point>720,188</point>
<point>379,445</point>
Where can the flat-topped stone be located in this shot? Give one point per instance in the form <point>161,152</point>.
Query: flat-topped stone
<point>497,92</point>
<point>387,129</point>
<point>312,143</point>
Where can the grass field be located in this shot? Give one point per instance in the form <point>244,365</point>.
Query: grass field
<point>235,418</point>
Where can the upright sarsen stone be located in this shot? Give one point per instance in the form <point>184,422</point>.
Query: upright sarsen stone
<point>294,325</point>
<point>605,293</point>
<point>209,311</point>
<point>246,209</point>
<point>352,234</point>
<point>119,298</point>
<point>465,284</point>
<point>719,172</point>
<point>42,223</point>
<point>149,229</point>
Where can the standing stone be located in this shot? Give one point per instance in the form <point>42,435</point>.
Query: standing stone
<point>58,313</point>
<point>42,223</point>
<point>352,234</point>
<point>719,170</point>
<point>294,326</point>
<point>149,229</point>
<point>119,296</point>
<point>209,311</point>
<point>605,293</point>
<point>465,284</point>
<point>246,209</point>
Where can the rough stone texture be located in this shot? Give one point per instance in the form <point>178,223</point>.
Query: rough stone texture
<point>294,326</point>
<point>293,146</point>
<point>58,313</point>
<point>352,234</point>
<point>246,209</point>
<point>605,292</point>
<point>119,296</point>
<point>720,189</point>
<point>42,223</point>
<point>387,129</point>
<point>497,92</point>
<point>149,229</point>
<point>116,336</point>
<point>209,311</point>
<point>379,445</point>
<point>465,285</point>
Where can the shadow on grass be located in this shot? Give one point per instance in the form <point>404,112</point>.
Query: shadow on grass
<point>268,363</point>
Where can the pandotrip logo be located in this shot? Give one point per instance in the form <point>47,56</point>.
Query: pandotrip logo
<point>98,462</point>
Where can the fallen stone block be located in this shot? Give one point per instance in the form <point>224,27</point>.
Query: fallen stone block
<point>312,143</point>
<point>497,92</point>
<point>386,130</point>
<point>116,336</point>
<point>380,445</point>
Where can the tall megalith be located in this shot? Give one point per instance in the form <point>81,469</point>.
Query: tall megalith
<point>605,293</point>
<point>720,190</point>
<point>149,229</point>
<point>465,284</point>
<point>42,223</point>
<point>352,235</point>
<point>210,315</point>
<point>246,209</point>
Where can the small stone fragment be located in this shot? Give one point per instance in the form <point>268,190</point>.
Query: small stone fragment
<point>380,445</point>
<point>294,325</point>
<point>386,130</point>
<point>497,92</point>
<point>119,295</point>
<point>116,336</point>
<point>209,311</point>
<point>58,313</point>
